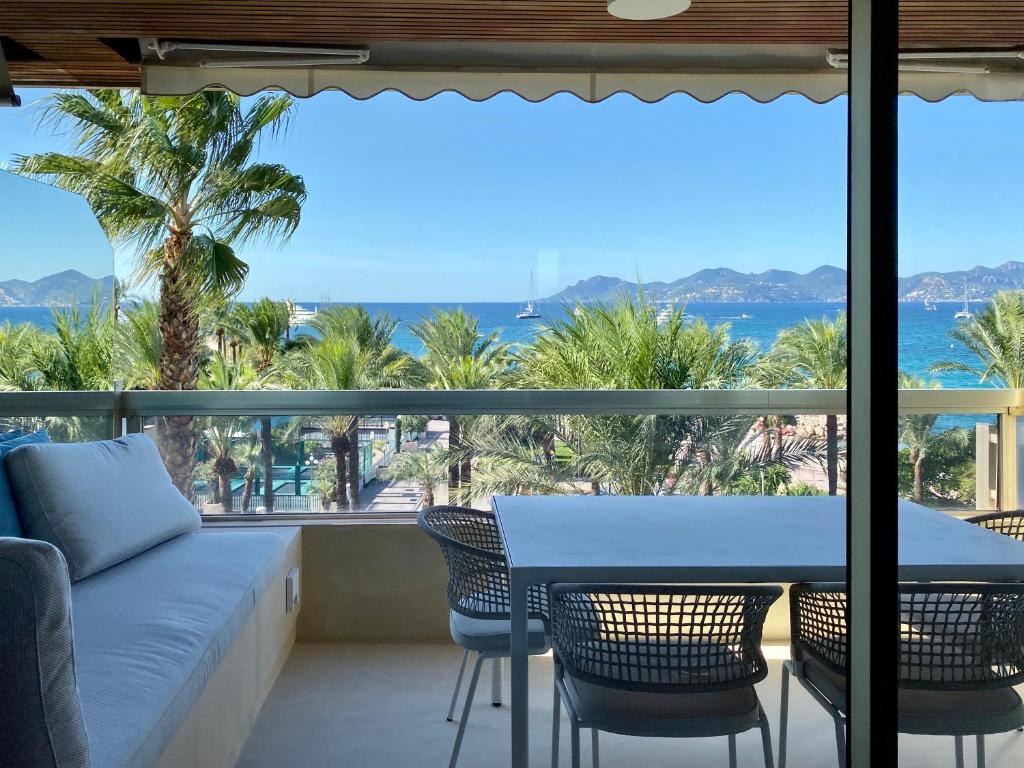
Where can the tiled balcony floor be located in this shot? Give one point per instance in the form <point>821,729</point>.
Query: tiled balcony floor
<point>384,705</point>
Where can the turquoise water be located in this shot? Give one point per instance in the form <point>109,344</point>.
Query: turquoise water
<point>923,335</point>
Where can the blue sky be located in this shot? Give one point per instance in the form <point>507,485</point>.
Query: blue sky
<point>451,200</point>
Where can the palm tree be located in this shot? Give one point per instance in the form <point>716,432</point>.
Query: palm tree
<point>426,467</point>
<point>218,318</point>
<point>621,345</point>
<point>459,356</point>
<point>137,342</point>
<point>17,359</point>
<point>174,179</point>
<point>249,454</point>
<point>220,440</point>
<point>917,433</point>
<point>995,335</point>
<point>346,360</point>
<point>813,355</point>
<point>78,354</point>
<point>266,325</point>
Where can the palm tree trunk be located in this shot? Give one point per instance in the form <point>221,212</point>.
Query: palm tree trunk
<point>428,495</point>
<point>250,478</point>
<point>340,446</point>
<point>454,443</point>
<point>832,453</point>
<point>918,476</point>
<point>226,500</point>
<point>267,454</point>
<point>355,474</point>
<point>179,362</point>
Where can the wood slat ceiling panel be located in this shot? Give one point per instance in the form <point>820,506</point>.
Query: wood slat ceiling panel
<point>67,30</point>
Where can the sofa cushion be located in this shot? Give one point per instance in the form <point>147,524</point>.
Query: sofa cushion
<point>150,633</point>
<point>10,525</point>
<point>99,503</point>
<point>41,723</point>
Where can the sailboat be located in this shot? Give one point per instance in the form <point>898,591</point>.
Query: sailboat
<point>929,306</point>
<point>529,309</point>
<point>965,313</point>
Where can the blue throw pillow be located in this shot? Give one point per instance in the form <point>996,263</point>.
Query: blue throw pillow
<point>10,525</point>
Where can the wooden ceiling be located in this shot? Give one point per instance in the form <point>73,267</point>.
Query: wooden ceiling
<point>92,42</point>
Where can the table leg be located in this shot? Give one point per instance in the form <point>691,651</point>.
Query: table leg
<point>519,675</point>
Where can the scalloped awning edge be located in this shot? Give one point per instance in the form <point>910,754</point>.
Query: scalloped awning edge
<point>364,82</point>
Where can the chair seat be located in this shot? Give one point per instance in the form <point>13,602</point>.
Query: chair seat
<point>952,712</point>
<point>494,635</point>
<point>640,713</point>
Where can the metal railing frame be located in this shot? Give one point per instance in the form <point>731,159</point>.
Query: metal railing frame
<point>139,404</point>
<point>127,410</point>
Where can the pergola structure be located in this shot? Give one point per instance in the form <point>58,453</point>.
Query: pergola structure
<point>481,47</point>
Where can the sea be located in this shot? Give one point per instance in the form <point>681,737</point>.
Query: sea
<point>923,334</point>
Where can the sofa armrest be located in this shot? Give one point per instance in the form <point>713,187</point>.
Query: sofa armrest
<point>41,721</point>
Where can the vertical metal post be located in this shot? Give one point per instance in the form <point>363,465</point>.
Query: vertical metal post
<point>872,406</point>
<point>1009,461</point>
<point>986,468</point>
<point>118,427</point>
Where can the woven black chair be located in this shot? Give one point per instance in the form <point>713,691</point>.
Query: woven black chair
<point>646,660</point>
<point>479,597</point>
<point>961,652</point>
<point>1007,523</point>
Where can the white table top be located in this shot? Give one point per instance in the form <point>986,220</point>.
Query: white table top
<point>732,539</point>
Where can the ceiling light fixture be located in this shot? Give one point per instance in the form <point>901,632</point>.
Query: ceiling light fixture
<point>646,10</point>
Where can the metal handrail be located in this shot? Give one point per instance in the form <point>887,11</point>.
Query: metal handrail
<point>140,403</point>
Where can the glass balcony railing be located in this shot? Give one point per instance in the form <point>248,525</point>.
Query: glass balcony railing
<point>264,453</point>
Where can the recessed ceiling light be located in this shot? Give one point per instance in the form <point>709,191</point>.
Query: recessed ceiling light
<point>645,10</point>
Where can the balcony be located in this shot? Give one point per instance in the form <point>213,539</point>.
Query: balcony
<point>369,677</point>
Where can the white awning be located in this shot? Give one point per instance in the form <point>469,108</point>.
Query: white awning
<point>592,72</point>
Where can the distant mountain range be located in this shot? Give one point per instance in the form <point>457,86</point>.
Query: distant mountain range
<point>61,288</point>
<point>822,284</point>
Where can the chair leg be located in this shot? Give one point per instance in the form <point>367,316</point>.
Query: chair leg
<point>766,740</point>
<point>732,750</point>
<point>840,739</point>
<point>556,719</point>
<point>458,685</point>
<point>958,748</point>
<point>466,710</point>
<point>594,748</point>
<point>784,715</point>
<point>496,672</point>
<point>575,744</point>
<point>981,750</point>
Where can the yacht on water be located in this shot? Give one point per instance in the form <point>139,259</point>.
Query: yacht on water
<point>929,306</point>
<point>965,313</point>
<point>299,315</point>
<point>665,314</point>
<point>530,309</point>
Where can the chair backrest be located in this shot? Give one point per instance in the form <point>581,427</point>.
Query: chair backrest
<point>1007,523</point>
<point>661,638</point>
<point>478,579</point>
<point>951,636</point>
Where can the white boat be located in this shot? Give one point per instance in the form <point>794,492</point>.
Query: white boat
<point>965,313</point>
<point>529,309</point>
<point>299,315</point>
<point>666,313</point>
<point>929,306</point>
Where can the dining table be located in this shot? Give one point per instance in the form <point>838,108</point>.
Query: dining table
<point>714,540</point>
